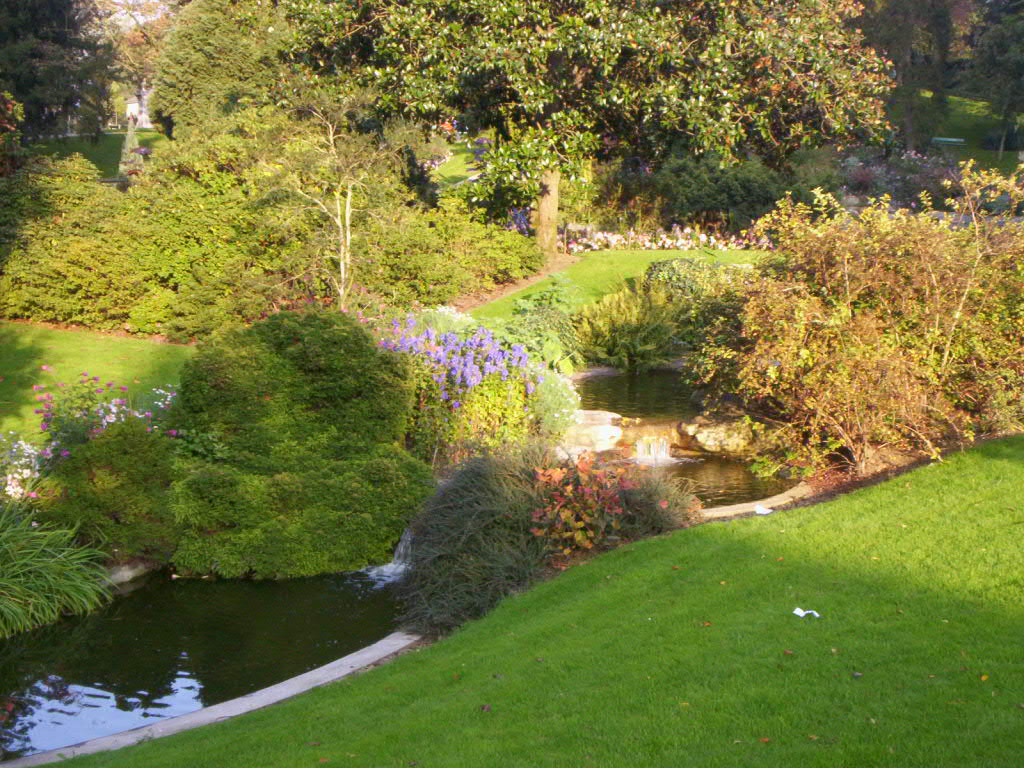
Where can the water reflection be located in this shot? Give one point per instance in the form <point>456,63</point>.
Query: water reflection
<point>174,647</point>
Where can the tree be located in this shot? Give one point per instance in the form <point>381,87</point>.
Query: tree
<point>54,64</point>
<point>563,81</point>
<point>997,70</point>
<point>137,30</point>
<point>219,54</point>
<point>918,37</point>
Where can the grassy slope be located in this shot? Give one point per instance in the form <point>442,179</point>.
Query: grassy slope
<point>973,120</point>
<point>457,168</point>
<point>602,272</point>
<point>683,651</point>
<point>104,154</point>
<point>137,363</point>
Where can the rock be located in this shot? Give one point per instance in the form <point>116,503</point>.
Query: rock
<point>720,435</point>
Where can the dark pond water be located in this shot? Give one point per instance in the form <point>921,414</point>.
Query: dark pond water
<point>660,397</point>
<point>172,647</point>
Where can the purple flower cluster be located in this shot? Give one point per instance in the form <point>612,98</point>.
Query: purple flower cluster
<point>458,365</point>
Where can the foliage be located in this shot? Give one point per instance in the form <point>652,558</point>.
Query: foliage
<point>728,77</point>
<point>329,516</point>
<point>902,176</point>
<point>434,256</point>
<point>113,491</point>
<point>11,115</point>
<point>997,70</point>
<point>587,506</point>
<point>541,323</point>
<point>471,392</point>
<point>632,330</point>
<point>707,297</point>
<point>474,542</point>
<point>891,329</point>
<point>43,573</point>
<point>219,55</point>
<point>291,428</point>
<point>554,405</point>
<point>52,62</point>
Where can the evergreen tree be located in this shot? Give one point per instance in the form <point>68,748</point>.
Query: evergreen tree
<point>219,54</point>
<point>52,62</point>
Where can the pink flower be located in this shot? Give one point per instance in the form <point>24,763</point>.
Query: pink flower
<point>123,388</point>
<point>32,495</point>
<point>44,367</point>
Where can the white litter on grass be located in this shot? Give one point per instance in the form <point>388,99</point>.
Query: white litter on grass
<point>801,613</point>
<point>760,509</point>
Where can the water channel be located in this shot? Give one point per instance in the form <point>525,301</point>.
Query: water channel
<point>660,399</point>
<point>172,647</point>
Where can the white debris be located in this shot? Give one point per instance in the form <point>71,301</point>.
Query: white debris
<point>801,613</point>
<point>760,509</point>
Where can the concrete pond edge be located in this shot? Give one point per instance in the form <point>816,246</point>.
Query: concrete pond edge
<point>328,673</point>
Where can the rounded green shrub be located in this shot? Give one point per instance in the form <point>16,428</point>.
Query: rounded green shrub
<point>336,516</point>
<point>306,413</point>
<point>113,490</point>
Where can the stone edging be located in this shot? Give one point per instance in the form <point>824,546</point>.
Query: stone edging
<point>796,493</point>
<point>335,670</point>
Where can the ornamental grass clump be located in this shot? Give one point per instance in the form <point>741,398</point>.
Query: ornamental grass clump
<point>505,518</point>
<point>472,392</point>
<point>43,573</point>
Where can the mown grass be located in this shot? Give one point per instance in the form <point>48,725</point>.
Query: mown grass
<point>684,651</point>
<point>458,167</point>
<point>601,272</point>
<point>137,363</point>
<point>973,120</point>
<point>105,153</point>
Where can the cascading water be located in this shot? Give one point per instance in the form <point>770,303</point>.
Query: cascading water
<point>393,571</point>
<point>653,450</point>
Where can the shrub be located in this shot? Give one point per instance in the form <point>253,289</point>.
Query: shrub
<point>554,405</point>
<point>632,330</point>
<point>471,392</point>
<point>113,490</point>
<point>477,539</point>
<point>43,573</point>
<point>543,326</point>
<point>891,329</point>
<point>293,427</point>
<point>335,516</point>
<point>437,255</point>
<point>294,388</point>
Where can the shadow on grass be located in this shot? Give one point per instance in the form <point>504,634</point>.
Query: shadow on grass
<point>19,371</point>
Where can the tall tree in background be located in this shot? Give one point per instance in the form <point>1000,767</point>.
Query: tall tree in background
<point>997,70</point>
<point>560,82</point>
<point>917,36</point>
<point>54,64</point>
<point>218,54</point>
<point>137,30</point>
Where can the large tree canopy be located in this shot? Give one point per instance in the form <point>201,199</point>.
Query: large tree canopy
<point>566,80</point>
<point>52,62</point>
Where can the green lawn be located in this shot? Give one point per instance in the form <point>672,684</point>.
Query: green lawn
<point>136,363</point>
<point>105,154</point>
<point>602,272</point>
<point>972,121</point>
<point>457,168</point>
<point>683,651</point>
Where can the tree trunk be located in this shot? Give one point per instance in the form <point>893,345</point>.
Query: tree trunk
<point>545,219</point>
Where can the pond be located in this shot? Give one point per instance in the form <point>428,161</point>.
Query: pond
<point>172,647</point>
<point>660,398</point>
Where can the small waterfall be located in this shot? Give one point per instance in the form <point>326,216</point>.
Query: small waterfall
<point>393,571</point>
<point>653,450</point>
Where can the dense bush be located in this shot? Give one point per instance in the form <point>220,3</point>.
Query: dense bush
<point>436,255</point>
<point>541,323</point>
<point>293,427</point>
<point>492,529</point>
<point>43,573</point>
<point>892,329</point>
<point>332,516</point>
<point>113,491</point>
